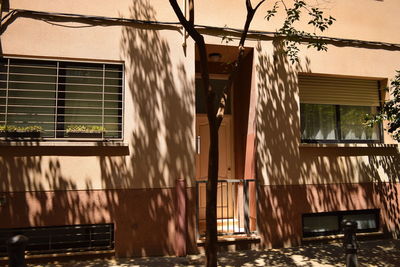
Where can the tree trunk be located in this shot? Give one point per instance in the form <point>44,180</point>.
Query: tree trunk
<point>215,116</point>
<point>211,199</point>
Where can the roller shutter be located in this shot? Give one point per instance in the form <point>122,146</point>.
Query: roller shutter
<point>338,91</point>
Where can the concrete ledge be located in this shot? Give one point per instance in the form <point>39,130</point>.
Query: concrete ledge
<point>349,145</point>
<point>340,236</point>
<point>65,256</point>
<point>62,144</point>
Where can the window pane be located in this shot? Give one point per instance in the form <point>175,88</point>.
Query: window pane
<point>318,122</point>
<point>315,225</point>
<point>32,94</point>
<point>81,93</point>
<point>351,123</point>
<point>2,105</point>
<point>364,221</point>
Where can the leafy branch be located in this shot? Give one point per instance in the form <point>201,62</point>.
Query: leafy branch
<point>293,37</point>
<point>390,111</point>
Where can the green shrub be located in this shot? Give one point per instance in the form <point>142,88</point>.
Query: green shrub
<point>85,129</point>
<point>11,128</point>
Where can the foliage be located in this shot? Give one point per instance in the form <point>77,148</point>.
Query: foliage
<point>85,129</point>
<point>27,129</point>
<point>390,111</point>
<point>292,36</point>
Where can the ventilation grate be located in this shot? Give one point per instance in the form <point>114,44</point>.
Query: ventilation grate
<point>62,239</point>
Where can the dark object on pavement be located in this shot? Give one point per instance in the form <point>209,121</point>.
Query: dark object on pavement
<point>16,251</point>
<point>350,243</point>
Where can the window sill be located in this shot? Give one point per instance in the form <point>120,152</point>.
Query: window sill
<point>347,145</point>
<point>62,144</point>
<point>341,236</point>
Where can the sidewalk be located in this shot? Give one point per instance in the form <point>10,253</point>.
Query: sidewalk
<point>371,253</point>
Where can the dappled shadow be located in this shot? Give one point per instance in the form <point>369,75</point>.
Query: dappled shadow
<point>159,129</point>
<point>371,253</point>
<point>25,186</point>
<point>278,155</point>
<point>133,185</point>
<point>296,179</point>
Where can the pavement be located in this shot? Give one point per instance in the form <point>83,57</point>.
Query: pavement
<point>380,253</point>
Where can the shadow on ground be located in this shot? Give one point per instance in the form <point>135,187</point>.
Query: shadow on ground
<point>371,253</point>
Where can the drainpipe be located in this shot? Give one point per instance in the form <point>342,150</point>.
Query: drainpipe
<point>184,44</point>
<point>1,9</point>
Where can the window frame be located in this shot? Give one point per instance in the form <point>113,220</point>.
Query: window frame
<point>57,61</point>
<point>340,215</point>
<point>338,132</point>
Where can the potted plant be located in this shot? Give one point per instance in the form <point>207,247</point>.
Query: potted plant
<point>10,131</point>
<point>3,130</point>
<point>85,131</point>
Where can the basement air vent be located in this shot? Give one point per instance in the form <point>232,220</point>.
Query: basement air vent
<point>62,239</point>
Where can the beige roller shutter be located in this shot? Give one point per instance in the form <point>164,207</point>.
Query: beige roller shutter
<point>338,91</point>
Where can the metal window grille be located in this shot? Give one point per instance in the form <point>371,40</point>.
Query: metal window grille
<point>58,95</point>
<point>62,239</point>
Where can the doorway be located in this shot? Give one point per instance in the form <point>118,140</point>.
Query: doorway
<point>232,134</point>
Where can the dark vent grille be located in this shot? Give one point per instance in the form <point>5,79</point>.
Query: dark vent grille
<point>62,239</point>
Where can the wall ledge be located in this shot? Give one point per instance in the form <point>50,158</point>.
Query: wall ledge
<point>62,144</point>
<point>369,145</point>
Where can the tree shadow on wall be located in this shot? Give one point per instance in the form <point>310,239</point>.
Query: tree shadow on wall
<point>35,192</point>
<point>139,195</point>
<point>278,152</point>
<point>159,127</point>
<point>384,169</point>
<point>295,179</point>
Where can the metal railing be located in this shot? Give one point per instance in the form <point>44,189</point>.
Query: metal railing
<point>236,209</point>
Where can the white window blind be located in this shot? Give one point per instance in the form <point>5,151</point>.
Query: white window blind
<point>56,95</point>
<point>338,91</point>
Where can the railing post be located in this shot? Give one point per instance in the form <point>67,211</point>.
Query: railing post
<point>197,211</point>
<point>350,243</point>
<point>246,207</point>
<point>16,251</point>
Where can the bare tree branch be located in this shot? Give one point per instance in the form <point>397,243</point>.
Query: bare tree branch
<point>199,40</point>
<point>258,5</point>
<point>248,5</point>
<point>224,98</point>
<point>197,37</point>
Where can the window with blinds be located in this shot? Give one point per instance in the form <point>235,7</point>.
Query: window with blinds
<point>333,109</point>
<point>60,99</point>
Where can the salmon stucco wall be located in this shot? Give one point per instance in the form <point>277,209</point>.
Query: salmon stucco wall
<point>157,148</point>
<point>131,183</point>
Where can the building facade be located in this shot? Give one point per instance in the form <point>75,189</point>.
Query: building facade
<point>107,136</point>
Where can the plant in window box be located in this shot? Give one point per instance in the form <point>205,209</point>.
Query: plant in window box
<point>3,130</point>
<point>83,131</point>
<point>20,132</point>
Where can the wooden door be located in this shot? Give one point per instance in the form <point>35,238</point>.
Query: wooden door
<point>226,166</point>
